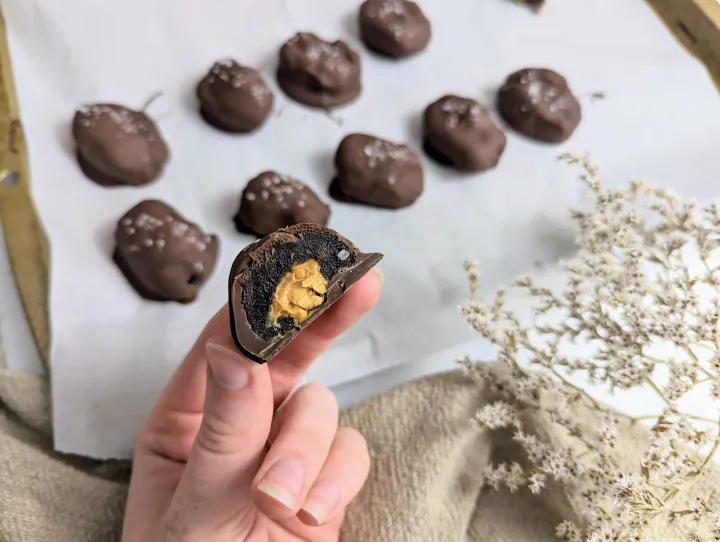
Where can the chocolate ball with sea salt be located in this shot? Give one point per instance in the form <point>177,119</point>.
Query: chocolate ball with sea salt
<point>163,256</point>
<point>319,73</point>
<point>272,201</point>
<point>377,172</point>
<point>459,132</point>
<point>539,104</point>
<point>118,146</point>
<point>394,28</point>
<point>234,98</point>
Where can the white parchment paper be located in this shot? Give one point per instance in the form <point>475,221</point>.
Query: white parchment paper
<point>112,352</point>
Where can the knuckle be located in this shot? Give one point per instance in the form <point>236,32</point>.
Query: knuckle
<point>215,435</point>
<point>172,437</point>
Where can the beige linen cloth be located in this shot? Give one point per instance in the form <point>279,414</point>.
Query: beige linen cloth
<point>426,483</point>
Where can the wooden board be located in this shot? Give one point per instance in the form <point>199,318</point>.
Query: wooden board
<point>24,237</point>
<point>696,23</point>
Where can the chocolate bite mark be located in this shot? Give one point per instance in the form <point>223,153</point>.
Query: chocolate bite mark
<point>234,98</point>
<point>319,73</point>
<point>272,201</point>
<point>269,270</point>
<point>377,172</point>
<point>117,146</point>
<point>459,132</point>
<point>280,284</point>
<point>538,104</point>
<point>394,28</point>
<point>162,255</point>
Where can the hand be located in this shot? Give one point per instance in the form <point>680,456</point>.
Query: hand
<point>224,458</point>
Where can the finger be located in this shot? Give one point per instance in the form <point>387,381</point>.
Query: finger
<point>172,425</point>
<point>290,365</point>
<point>307,425</point>
<point>340,480</point>
<point>230,442</point>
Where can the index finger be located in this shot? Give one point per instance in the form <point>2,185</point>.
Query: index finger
<point>185,393</point>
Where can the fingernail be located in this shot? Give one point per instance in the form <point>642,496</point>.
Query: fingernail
<point>228,368</point>
<point>284,481</point>
<point>378,274</point>
<point>322,500</point>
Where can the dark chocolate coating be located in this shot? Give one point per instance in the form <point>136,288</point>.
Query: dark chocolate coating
<point>394,28</point>
<point>117,146</point>
<point>319,73</point>
<point>538,104</point>
<point>272,201</point>
<point>164,256</point>
<point>260,267</point>
<point>234,98</point>
<point>459,132</point>
<point>534,4</point>
<point>377,172</point>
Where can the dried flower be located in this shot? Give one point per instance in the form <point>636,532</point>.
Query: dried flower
<point>646,278</point>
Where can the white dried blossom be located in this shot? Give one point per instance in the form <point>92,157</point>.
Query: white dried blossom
<point>604,534</point>
<point>646,273</point>
<point>607,433</point>
<point>569,532</point>
<point>536,483</point>
<point>496,415</point>
<point>515,478</point>
<point>495,476</point>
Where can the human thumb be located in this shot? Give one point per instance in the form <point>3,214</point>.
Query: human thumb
<point>231,441</point>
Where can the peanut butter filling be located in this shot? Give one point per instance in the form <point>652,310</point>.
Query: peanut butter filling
<point>301,290</point>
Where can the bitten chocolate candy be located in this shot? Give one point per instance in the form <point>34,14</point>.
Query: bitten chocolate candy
<point>272,201</point>
<point>234,98</point>
<point>394,28</point>
<point>460,133</point>
<point>117,146</point>
<point>319,73</point>
<point>538,104</point>
<point>377,172</point>
<point>162,255</point>
<point>280,284</point>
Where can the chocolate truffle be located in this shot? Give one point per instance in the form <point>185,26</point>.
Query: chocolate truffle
<point>394,28</point>
<point>234,98</point>
<point>280,284</point>
<point>162,255</point>
<point>377,172</point>
<point>532,4</point>
<point>538,104</point>
<point>319,73</point>
<point>117,146</point>
<point>460,133</point>
<point>272,201</point>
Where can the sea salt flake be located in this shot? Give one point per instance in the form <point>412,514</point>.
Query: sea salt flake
<point>179,229</point>
<point>378,151</point>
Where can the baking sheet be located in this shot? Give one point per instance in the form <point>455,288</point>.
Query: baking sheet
<point>112,352</point>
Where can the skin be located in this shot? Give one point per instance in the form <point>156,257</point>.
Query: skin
<point>228,455</point>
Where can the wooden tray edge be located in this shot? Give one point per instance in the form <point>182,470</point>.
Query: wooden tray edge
<point>26,243</point>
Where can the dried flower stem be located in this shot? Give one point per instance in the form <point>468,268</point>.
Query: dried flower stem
<point>629,287</point>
